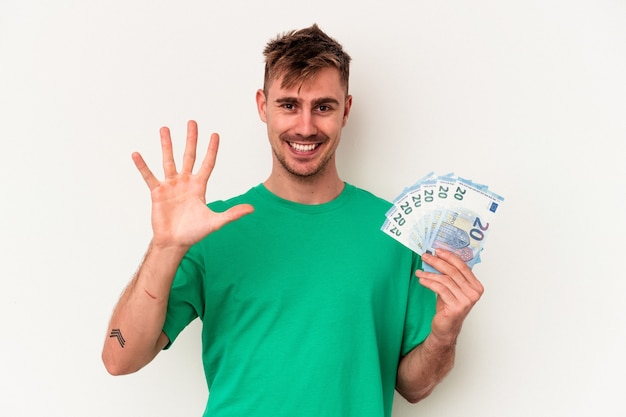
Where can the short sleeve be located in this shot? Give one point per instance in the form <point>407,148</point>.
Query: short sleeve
<point>186,301</point>
<point>419,313</point>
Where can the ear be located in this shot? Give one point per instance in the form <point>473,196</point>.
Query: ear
<point>346,110</point>
<point>261,105</point>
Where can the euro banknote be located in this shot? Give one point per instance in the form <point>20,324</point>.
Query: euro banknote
<point>444,211</point>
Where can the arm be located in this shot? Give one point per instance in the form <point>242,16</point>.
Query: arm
<point>135,334</point>
<point>180,218</point>
<point>457,289</point>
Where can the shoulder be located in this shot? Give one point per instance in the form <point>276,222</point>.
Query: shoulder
<point>368,198</point>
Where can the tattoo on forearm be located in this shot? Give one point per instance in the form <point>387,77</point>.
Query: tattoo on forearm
<point>117,333</point>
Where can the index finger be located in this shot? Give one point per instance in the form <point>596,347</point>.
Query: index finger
<point>169,166</point>
<point>209,160</point>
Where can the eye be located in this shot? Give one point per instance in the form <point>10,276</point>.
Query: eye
<point>288,106</point>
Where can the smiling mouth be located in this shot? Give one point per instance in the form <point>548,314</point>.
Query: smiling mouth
<point>301,147</point>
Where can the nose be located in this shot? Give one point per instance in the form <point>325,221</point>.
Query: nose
<point>305,124</point>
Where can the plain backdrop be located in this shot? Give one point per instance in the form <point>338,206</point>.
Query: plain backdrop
<point>525,96</point>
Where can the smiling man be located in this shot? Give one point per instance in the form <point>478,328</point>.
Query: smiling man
<point>304,122</point>
<point>299,317</point>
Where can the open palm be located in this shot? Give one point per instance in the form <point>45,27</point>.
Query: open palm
<point>180,216</point>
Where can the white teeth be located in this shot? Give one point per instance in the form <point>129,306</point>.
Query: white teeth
<point>303,148</point>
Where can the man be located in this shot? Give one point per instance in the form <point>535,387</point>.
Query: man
<point>308,308</point>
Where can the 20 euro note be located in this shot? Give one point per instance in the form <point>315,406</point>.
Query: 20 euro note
<point>406,233</point>
<point>443,211</point>
<point>463,229</point>
<point>462,232</point>
<point>404,215</point>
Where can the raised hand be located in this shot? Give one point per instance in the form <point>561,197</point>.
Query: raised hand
<point>180,216</point>
<point>457,290</point>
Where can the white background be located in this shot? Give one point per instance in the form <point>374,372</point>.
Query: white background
<point>526,96</point>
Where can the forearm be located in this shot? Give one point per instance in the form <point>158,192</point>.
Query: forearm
<point>134,334</point>
<point>423,368</point>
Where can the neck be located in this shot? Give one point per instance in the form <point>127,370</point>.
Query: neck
<point>305,190</point>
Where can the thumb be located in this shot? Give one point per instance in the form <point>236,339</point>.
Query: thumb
<point>234,213</point>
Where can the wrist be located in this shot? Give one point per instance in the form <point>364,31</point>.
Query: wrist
<point>156,273</point>
<point>167,248</point>
<point>436,343</point>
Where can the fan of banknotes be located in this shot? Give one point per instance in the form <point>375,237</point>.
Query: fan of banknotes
<point>443,211</point>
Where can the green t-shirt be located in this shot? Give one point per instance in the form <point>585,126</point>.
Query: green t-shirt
<point>306,309</point>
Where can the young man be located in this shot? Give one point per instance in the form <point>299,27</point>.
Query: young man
<point>308,308</point>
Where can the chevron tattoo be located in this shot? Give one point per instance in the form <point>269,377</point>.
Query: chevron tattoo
<point>117,333</point>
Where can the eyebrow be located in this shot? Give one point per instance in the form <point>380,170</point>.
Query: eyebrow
<point>316,102</point>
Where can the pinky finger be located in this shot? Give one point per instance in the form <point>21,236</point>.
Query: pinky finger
<point>145,172</point>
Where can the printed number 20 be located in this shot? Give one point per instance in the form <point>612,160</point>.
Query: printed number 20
<point>399,219</point>
<point>478,232</point>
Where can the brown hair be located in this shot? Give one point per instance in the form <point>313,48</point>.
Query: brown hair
<point>300,54</point>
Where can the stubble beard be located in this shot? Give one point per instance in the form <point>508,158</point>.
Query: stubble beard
<point>314,171</point>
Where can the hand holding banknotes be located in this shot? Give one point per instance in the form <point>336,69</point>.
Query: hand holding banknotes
<point>457,290</point>
<point>445,219</point>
